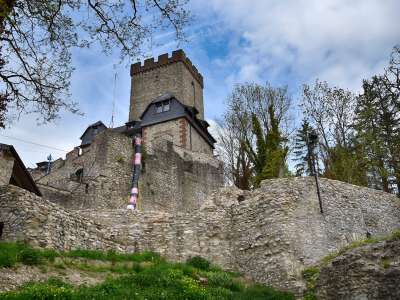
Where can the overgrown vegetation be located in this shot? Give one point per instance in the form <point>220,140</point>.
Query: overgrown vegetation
<point>311,274</point>
<point>141,276</point>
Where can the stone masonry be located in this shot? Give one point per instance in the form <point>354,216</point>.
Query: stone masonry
<point>6,167</point>
<point>270,234</point>
<point>172,177</point>
<point>174,74</point>
<point>368,272</point>
<point>180,132</point>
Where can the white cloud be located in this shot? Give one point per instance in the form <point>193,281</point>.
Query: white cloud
<point>335,40</point>
<point>282,41</point>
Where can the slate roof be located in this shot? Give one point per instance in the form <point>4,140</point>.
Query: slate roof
<point>176,110</point>
<point>89,134</point>
<point>20,175</point>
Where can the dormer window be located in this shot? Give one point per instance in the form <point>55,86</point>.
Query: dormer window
<point>159,108</point>
<point>162,106</point>
<point>166,105</point>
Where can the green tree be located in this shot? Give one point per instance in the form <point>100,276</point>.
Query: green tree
<point>269,157</point>
<point>36,39</point>
<point>242,133</point>
<point>301,150</point>
<point>378,129</point>
<point>347,164</point>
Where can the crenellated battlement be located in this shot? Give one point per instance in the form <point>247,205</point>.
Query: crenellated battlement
<point>164,60</point>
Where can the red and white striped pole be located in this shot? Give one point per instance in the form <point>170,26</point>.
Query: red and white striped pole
<point>137,162</point>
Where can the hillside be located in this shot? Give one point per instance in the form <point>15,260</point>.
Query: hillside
<point>28,273</point>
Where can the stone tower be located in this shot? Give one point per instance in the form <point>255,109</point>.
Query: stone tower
<point>174,74</point>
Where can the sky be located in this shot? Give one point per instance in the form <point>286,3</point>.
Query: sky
<point>282,42</point>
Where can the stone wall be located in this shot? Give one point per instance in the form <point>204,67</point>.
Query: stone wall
<point>179,132</point>
<point>270,234</point>
<point>105,183</point>
<point>368,272</point>
<point>174,179</point>
<point>196,142</point>
<point>6,167</point>
<point>170,131</point>
<point>174,74</point>
<point>32,219</point>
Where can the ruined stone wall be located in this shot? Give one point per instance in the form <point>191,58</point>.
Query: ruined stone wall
<point>174,74</point>
<point>270,234</point>
<point>32,219</point>
<point>6,167</point>
<point>280,226</point>
<point>105,183</point>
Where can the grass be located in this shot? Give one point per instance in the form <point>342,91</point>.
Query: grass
<point>140,276</point>
<point>13,253</point>
<point>395,235</point>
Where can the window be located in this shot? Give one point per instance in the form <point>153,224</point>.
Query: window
<point>79,175</point>
<point>162,106</point>
<point>166,106</point>
<point>159,108</point>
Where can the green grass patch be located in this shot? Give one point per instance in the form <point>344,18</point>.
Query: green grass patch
<point>395,235</point>
<point>142,276</point>
<point>311,276</point>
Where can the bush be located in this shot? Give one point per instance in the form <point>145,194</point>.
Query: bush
<point>29,256</point>
<point>199,263</point>
<point>222,279</point>
<point>259,292</point>
<point>7,260</point>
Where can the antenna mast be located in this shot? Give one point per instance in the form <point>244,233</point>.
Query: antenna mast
<point>113,103</point>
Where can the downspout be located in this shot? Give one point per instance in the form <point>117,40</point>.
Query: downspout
<point>137,160</point>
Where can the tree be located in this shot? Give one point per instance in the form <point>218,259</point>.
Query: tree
<point>301,150</point>
<point>36,39</point>
<point>246,119</point>
<point>378,126</point>
<point>269,156</point>
<point>330,111</point>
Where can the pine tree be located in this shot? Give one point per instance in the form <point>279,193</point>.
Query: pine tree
<point>378,129</point>
<point>301,151</point>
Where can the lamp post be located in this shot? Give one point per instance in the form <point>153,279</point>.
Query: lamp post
<point>49,159</point>
<point>312,141</point>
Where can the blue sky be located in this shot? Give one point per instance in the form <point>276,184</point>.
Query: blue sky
<point>233,41</point>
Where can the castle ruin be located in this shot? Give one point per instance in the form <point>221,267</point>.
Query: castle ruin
<point>179,168</point>
<point>269,234</point>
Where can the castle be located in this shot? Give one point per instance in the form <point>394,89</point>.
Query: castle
<point>270,234</point>
<point>179,169</point>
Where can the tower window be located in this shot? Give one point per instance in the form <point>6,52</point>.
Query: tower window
<point>159,108</point>
<point>166,106</point>
<point>163,106</point>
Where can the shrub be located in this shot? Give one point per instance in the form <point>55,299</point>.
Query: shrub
<point>8,254</point>
<point>259,292</point>
<point>7,260</point>
<point>199,263</point>
<point>29,256</point>
<point>222,279</point>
